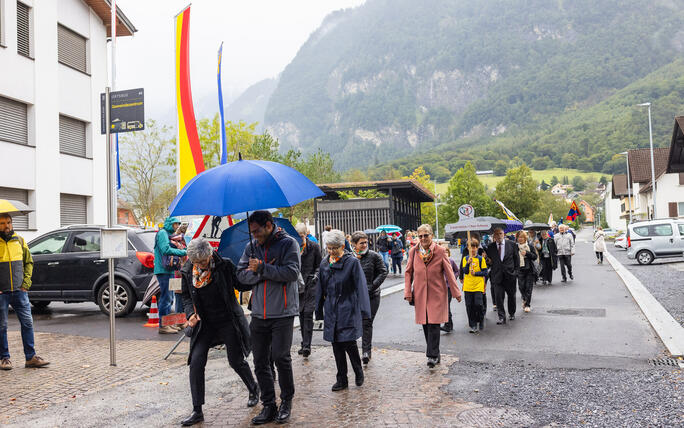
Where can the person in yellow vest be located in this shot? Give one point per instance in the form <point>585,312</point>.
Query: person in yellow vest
<point>473,272</point>
<point>16,269</point>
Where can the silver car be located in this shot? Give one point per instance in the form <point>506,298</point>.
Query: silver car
<point>652,239</point>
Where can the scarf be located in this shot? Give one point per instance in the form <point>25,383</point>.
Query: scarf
<point>301,250</point>
<point>202,277</point>
<point>360,254</point>
<point>521,248</point>
<point>332,260</point>
<point>425,255</point>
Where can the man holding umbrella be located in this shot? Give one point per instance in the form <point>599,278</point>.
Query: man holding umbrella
<point>271,264</point>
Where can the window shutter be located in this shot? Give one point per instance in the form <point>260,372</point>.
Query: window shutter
<point>73,209</point>
<point>72,136</point>
<point>13,121</point>
<point>681,178</point>
<point>71,49</point>
<point>23,29</point>
<point>19,222</point>
<point>672,208</point>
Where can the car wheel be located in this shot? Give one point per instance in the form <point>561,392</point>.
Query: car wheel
<point>124,301</point>
<point>644,257</point>
<point>40,304</point>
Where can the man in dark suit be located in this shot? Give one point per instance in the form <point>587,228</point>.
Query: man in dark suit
<point>504,262</point>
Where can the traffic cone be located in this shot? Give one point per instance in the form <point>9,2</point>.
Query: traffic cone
<point>153,315</point>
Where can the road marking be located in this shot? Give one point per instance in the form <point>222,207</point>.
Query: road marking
<point>670,331</point>
<point>391,290</point>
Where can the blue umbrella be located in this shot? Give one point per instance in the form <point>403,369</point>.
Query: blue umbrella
<point>512,226</point>
<point>241,186</point>
<point>388,228</point>
<point>235,238</point>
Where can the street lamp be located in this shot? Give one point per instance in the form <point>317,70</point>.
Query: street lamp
<point>650,134</point>
<point>629,187</point>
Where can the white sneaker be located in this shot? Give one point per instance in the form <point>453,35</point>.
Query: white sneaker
<point>527,309</point>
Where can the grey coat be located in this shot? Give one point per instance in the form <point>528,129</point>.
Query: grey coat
<point>274,288</point>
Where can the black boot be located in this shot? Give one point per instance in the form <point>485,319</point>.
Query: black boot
<point>253,396</point>
<point>365,358</point>
<point>284,411</point>
<point>195,417</point>
<point>268,414</point>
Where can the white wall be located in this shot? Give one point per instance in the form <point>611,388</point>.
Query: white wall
<point>50,89</point>
<point>668,190</point>
<point>612,211</point>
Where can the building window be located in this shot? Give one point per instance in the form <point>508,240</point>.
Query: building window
<point>23,29</point>
<point>73,209</point>
<point>2,23</point>
<point>13,121</point>
<point>72,136</point>
<point>72,49</point>
<point>19,222</point>
<point>681,209</point>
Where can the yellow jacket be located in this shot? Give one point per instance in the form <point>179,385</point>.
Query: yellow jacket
<point>16,264</point>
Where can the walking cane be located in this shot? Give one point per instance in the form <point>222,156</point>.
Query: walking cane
<point>175,346</point>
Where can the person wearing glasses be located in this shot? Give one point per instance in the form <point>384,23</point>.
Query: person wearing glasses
<point>375,272</point>
<point>342,289</point>
<point>425,287</point>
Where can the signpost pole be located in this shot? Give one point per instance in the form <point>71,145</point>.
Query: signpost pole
<point>110,261</point>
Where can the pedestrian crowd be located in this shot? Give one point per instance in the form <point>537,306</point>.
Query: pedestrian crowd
<point>338,281</point>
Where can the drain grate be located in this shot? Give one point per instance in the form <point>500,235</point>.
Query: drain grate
<point>659,362</point>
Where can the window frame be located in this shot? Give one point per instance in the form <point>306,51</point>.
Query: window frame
<point>652,230</point>
<point>49,236</point>
<point>30,55</point>
<point>71,241</point>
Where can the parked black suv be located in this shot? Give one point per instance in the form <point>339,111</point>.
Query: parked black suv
<point>67,267</point>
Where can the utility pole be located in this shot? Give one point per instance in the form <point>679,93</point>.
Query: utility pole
<point>650,136</point>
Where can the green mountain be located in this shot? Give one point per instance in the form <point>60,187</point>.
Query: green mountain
<point>440,81</point>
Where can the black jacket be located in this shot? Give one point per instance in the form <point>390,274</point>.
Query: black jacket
<point>499,269</point>
<point>530,257</point>
<point>311,262</point>
<point>382,244</point>
<point>553,251</point>
<point>223,276</point>
<point>274,288</point>
<point>375,271</point>
<point>396,246</point>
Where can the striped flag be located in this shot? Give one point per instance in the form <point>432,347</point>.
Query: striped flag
<point>550,218</point>
<point>509,213</point>
<point>574,212</point>
<point>190,160</point>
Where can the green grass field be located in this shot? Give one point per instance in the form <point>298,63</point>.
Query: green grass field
<point>546,175</point>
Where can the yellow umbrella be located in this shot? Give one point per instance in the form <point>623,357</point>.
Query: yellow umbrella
<point>8,206</point>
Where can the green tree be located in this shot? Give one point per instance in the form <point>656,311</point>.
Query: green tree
<point>578,183</point>
<point>549,204</point>
<point>603,180</point>
<point>466,188</point>
<point>541,163</point>
<point>147,184</point>
<point>554,181</point>
<point>427,209</point>
<point>518,191</point>
<point>569,160</point>
<point>500,168</point>
<point>566,180</point>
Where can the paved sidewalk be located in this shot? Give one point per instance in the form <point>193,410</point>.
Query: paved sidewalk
<point>78,365</point>
<point>399,391</point>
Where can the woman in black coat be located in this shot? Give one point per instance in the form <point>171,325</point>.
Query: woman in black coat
<point>310,262</point>
<point>526,272</point>
<point>342,288</point>
<point>213,313</point>
<point>375,271</point>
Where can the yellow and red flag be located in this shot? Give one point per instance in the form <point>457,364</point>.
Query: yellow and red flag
<point>190,161</point>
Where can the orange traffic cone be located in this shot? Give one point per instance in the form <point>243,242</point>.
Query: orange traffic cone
<point>153,315</point>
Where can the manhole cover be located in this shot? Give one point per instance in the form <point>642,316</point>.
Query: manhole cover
<point>579,312</point>
<point>658,362</point>
<point>494,416</point>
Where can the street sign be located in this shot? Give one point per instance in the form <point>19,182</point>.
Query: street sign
<point>127,111</point>
<point>113,243</point>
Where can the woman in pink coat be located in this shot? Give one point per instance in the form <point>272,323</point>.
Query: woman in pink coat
<point>426,289</point>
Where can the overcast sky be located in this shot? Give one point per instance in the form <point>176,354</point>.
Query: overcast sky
<point>260,38</point>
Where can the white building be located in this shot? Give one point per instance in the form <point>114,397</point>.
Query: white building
<point>53,67</point>
<point>616,203</point>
